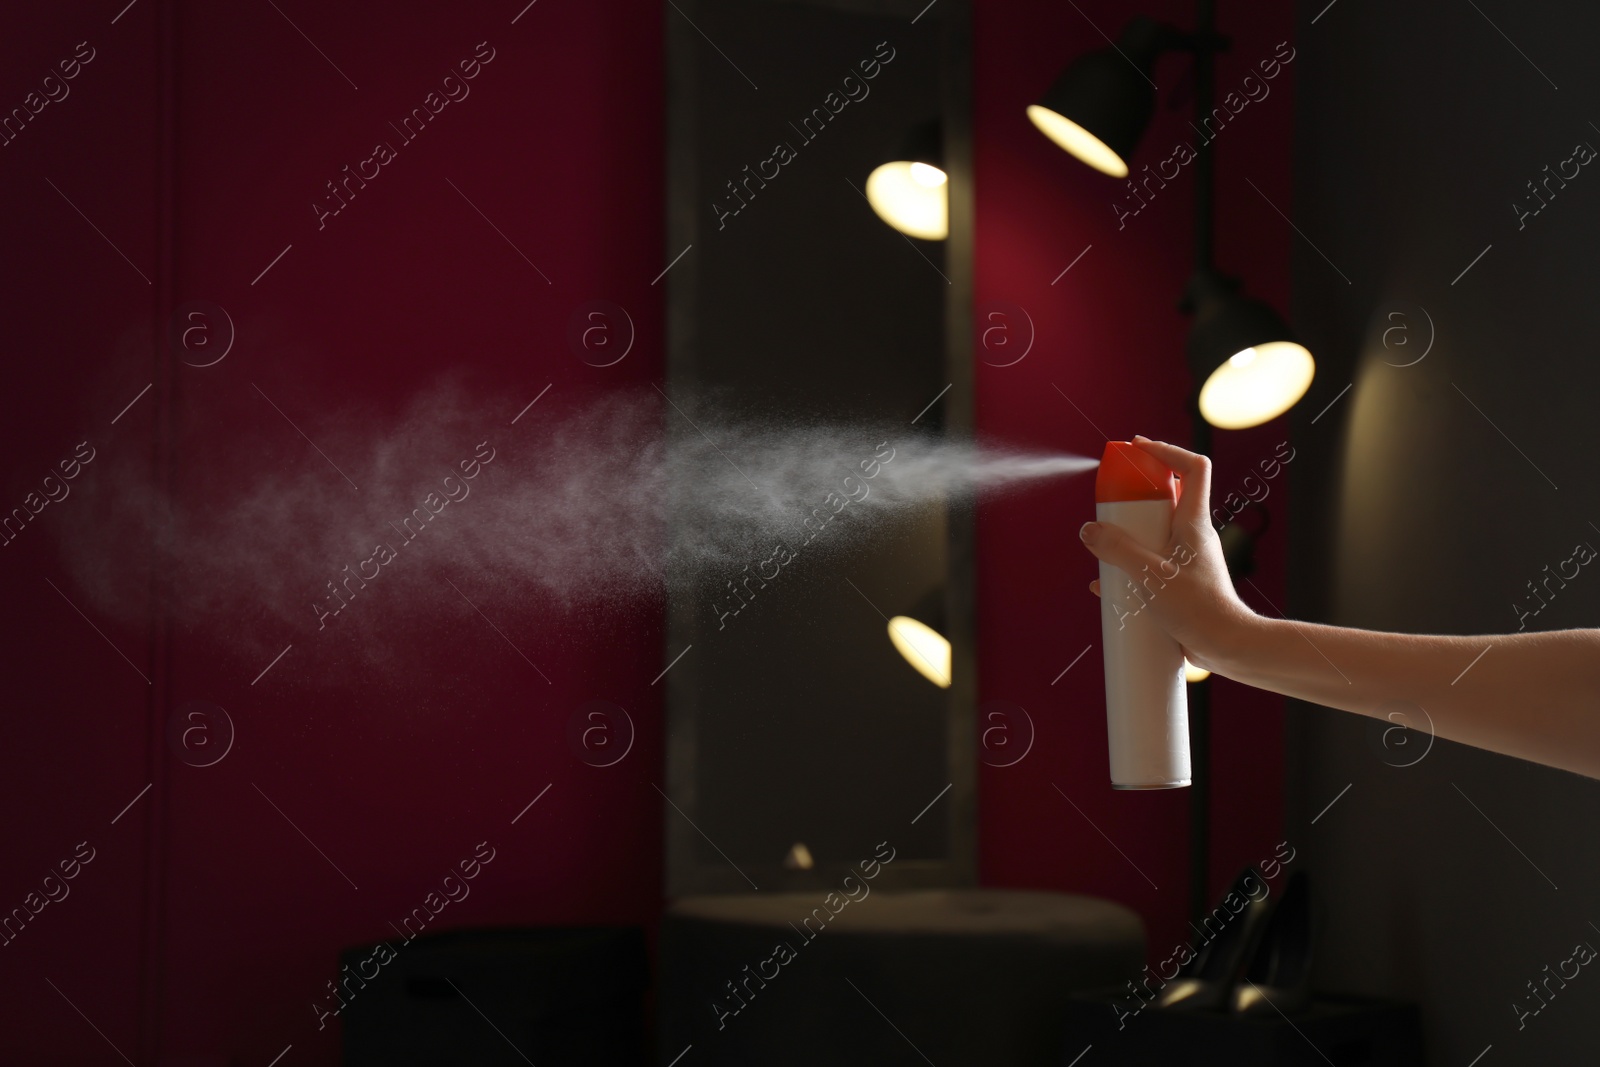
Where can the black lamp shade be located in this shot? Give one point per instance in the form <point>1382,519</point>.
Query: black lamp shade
<point>1107,94</point>
<point>923,143</point>
<point>1227,322</point>
<point>1246,361</point>
<point>920,637</point>
<point>910,189</point>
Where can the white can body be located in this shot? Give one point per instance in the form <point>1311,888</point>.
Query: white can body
<point>1147,707</point>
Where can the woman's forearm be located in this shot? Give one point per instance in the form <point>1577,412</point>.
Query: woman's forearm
<point>1535,696</point>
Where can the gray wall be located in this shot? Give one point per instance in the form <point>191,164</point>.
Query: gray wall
<point>1417,128</point>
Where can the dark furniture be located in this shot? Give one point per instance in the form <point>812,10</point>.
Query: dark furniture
<point>1341,1031</point>
<point>554,997</point>
<point>975,976</point>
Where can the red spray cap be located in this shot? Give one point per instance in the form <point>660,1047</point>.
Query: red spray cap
<point>1128,472</point>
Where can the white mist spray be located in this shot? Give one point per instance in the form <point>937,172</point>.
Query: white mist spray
<point>606,502</point>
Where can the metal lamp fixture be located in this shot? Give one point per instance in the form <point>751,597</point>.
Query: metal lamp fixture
<point>912,191</point>
<point>919,637</point>
<point>1248,366</point>
<point>1100,105</point>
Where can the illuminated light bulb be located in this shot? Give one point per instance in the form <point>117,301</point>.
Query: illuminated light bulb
<point>799,858</point>
<point>912,200</point>
<point>923,647</point>
<point>1191,673</point>
<point>1078,141</point>
<point>1248,392</point>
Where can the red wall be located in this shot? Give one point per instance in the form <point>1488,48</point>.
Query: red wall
<point>356,781</point>
<point>1108,335</point>
<point>203,929</point>
<point>76,710</point>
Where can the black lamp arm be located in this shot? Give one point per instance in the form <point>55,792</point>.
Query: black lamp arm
<point>1145,38</point>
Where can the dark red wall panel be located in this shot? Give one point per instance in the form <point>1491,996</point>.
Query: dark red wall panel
<point>372,350</point>
<point>79,170</point>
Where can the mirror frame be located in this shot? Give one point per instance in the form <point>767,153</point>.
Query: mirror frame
<point>684,874</point>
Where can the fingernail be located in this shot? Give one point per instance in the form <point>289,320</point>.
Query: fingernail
<point>1088,531</point>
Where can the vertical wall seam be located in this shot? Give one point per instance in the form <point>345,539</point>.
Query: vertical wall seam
<point>156,835</point>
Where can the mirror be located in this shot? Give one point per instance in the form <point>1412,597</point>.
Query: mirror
<point>798,736</point>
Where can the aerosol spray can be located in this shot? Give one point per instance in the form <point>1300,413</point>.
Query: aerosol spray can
<point>1147,708</point>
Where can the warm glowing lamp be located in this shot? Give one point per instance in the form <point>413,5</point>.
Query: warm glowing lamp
<point>924,648</point>
<point>1078,141</point>
<point>912,192</point>
<point>1191,673</point>
<point>1100,105</point>
<point>1249,365</point>
<point>912,197</point>
<point>1256,384</point>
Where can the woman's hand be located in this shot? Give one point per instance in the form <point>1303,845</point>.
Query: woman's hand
<point>1197,606</point>
<point>1532,696</point>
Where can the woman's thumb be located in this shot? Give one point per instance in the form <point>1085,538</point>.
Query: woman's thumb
<point>1112,544</point>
